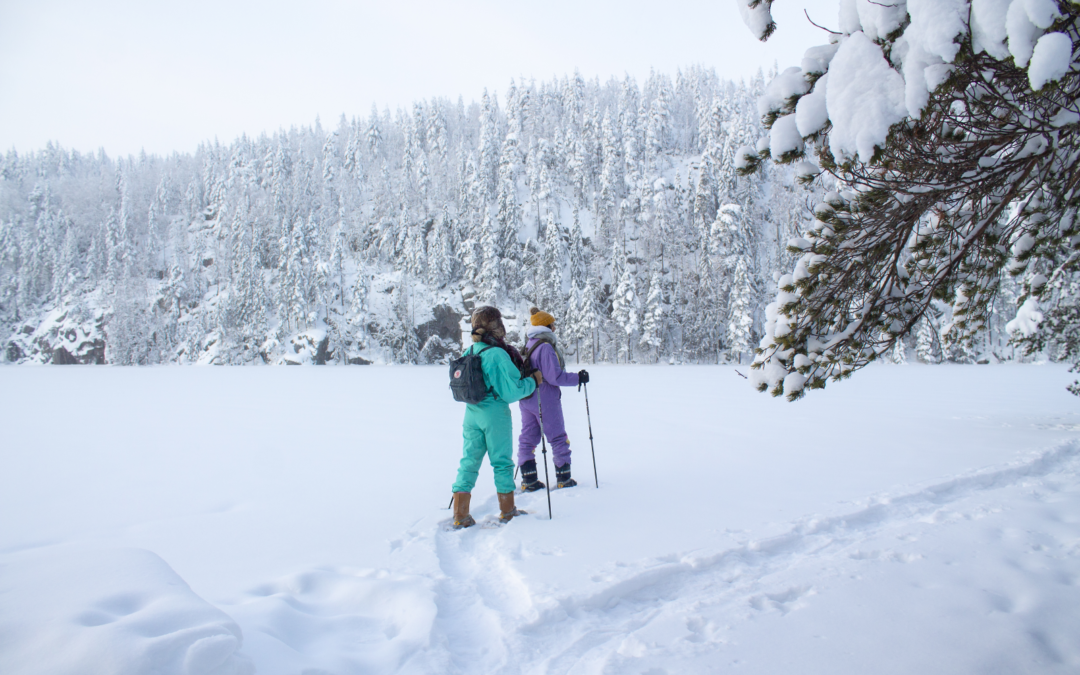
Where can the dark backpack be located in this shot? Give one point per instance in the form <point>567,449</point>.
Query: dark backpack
<point>527,367</point>
<point>467,378</point>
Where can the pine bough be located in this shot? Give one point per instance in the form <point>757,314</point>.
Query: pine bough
<point>943,137</point>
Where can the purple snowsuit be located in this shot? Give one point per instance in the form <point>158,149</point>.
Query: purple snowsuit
<point>545,359</point>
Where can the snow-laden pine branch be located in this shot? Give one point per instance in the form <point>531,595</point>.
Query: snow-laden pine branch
<point>944,137</point>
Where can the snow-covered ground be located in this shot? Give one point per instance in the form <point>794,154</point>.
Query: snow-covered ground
<point>910,520</point>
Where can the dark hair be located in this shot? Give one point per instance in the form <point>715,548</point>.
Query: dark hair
<point>488,321</point>
<point>487,327</point>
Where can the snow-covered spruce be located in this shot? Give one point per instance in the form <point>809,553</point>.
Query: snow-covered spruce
<point>943,139</point>
<point>615,204</point>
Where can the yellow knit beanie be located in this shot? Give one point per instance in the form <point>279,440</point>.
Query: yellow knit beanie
<point>540,318</point>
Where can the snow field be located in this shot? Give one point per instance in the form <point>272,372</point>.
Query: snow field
<point>912,519</point>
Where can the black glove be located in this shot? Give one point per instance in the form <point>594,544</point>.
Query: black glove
<point>583,377</point>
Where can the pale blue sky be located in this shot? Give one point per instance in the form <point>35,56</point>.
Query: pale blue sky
<point>132,74</point>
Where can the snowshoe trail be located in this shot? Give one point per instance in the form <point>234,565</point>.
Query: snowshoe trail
<point>598,632</point>
<point>489,620</point>
<point>477,592</point>
<point>461,604</point>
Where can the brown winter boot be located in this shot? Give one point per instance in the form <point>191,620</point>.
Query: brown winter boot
<point>507,508</point>
<point>461,510</point>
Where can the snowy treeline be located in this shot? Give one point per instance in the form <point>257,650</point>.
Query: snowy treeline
<point>615,206</point>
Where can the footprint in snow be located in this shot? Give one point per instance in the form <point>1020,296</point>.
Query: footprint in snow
<point>784,601</point>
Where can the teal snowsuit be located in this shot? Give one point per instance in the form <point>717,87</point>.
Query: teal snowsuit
<point>488,427</point>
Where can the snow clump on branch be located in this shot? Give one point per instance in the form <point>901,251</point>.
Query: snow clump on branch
<point>946,143</point>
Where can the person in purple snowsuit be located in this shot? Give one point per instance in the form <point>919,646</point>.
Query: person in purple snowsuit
<point>545,356</point>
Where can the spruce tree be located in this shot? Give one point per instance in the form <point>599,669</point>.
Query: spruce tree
<point>626,310</point>
<point>652,325</point>
<point>490,272</point>
<point>488,151</point>
<point>554,257</point>
<point>590,315</point>
<point>740,319</point>
<point>611,183</point>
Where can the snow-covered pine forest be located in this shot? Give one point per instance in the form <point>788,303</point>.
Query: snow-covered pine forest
<point>615,206</point>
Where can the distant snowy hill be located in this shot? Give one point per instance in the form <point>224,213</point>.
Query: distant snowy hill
<point>615,206</point>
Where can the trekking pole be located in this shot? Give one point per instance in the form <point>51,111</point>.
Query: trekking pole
<point>591,446</point>
<point>543,446</point>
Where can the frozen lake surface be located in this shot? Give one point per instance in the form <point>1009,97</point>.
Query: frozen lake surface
<point>912,519</point>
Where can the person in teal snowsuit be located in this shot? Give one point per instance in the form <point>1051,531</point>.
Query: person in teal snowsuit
<point>488,426</point>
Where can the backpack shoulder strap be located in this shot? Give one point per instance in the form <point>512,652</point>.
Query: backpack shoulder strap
<point>530,350</point>
<point>526,354</point>
<point>477,354</point>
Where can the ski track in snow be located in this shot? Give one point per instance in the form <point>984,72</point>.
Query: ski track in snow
<point>740,577</point>
<point>488,621</point>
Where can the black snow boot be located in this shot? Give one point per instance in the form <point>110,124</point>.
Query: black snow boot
<point>562,476</point>
<point>529,481</point>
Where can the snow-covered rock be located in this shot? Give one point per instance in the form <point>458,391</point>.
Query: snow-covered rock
<point>311,347</point>
<point>70,334</point>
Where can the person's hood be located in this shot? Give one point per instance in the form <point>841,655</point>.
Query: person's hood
<point>533,331</point>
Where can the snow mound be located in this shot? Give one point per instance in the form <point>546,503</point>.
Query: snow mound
<point>338,621</point>
<point>113,612</point>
